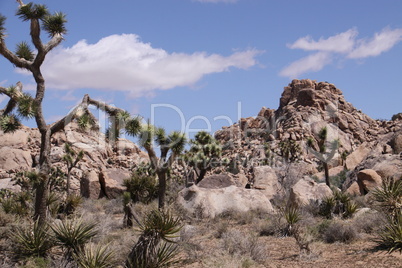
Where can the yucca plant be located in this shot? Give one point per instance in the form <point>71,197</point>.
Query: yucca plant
<point>292,216</point>
<point>95,257</point>
<point>155,247</point>
<point>33,241</point>
<point>390,237</point>
<point>72,235</point>
<point>389,195</point>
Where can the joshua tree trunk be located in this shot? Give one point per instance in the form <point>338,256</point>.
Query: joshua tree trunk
<point>326,171</point>
<point>202,175</point>
<point>162,189</point>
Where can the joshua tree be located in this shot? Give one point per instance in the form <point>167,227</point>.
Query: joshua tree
<point>322,154</point>
<point>170,146</point>
<point>28,106</point>
<point>204,154</point>
<point>71,158</point>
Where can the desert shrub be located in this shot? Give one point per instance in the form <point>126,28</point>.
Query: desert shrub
<point>32,241</point>
<point>338,204</point>
<point>338,180</point>
<point>273,226</point>
<point>142,188</point>
<point>95,257</point>
<point>240,243</point>
<point>390,236</point>
<point>339,232</point>
<point>36,262</point>
<point>370,222</point>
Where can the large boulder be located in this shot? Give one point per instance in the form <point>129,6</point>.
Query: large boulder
<point>357,156</point>
<point>111,181</point>
<point>265,179</point>
<point>216,181</point>
<point>307,190</point>
<point>15,159</point>
<point>90,186</point>
<point>368,180</point>
<point>396,143</point>
<point>211,202</point>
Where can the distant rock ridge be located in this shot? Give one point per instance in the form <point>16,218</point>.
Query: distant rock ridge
<point>305,107</point>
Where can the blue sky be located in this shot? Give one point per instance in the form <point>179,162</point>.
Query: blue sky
<point>199,61</point>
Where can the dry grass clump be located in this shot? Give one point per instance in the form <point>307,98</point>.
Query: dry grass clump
<point>243,243</point>
<point>340,232</point>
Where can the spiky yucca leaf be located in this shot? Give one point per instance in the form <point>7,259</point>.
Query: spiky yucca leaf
<point>133,126</point>
<point>390,237</point>
<point>34,241</point>
<point>32,11</point>
<point>9,123</point>
<point>389,195</point>
<point>73,234</point>
<point>24,51</point>
<point>177,142</point>
<point>26,106</point>
<point>292,215</point>
<point>95,257</point>
<point>86,122</point>
<point>162,223</point>
<point>154,247</point>
<point>55,24</point>
<point>2,28</point>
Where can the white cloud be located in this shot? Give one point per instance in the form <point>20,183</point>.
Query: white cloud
<point>346,45</point>
<point>339,43</point>
<point>311,63</point>
<point>381,42</point>
<point>123,62</point>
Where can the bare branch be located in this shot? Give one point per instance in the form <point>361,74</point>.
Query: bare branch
<point>20,2</point>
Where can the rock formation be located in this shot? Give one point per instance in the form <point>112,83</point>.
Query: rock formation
<point>99,173</point>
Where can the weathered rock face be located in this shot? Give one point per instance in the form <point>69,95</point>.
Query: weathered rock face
<point>368,180</point>
<point>100,172</point>
<point>306,190</point>
<point>14,159</point>
<point>265,179</point>
<point>216,181</point>
<point>211,202</point>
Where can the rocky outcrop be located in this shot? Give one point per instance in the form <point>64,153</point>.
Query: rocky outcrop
<point>209,203</point>
<point>306,107</point>
<point>100,172</point>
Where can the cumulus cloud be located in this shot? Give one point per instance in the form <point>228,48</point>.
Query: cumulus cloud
<point>311,63</point>
<point>124,63</point>
<point>345,45</point>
